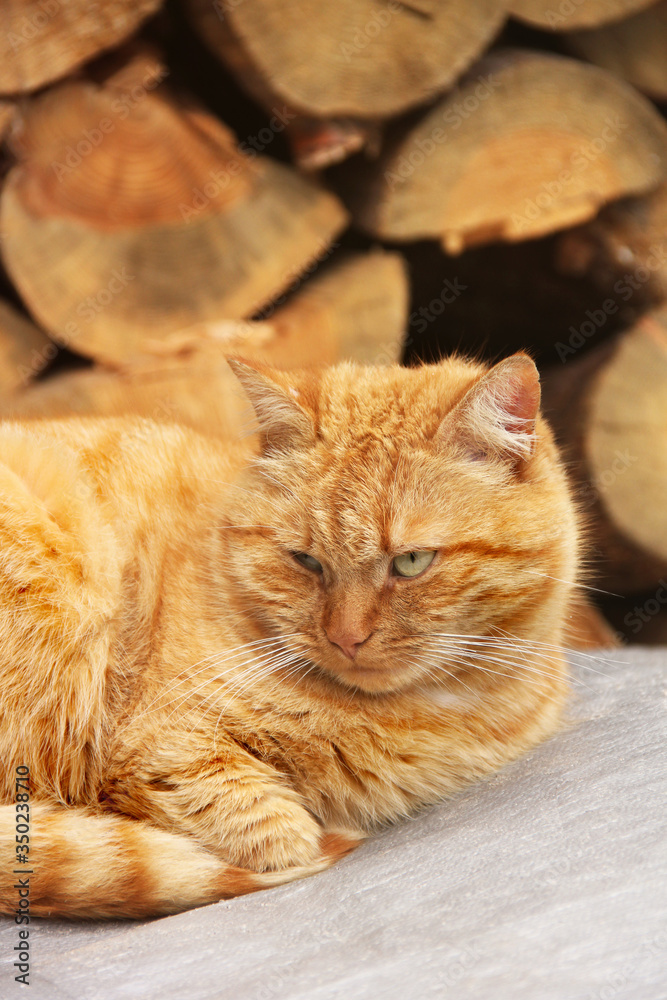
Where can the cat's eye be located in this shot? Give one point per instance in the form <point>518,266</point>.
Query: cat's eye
<point>412,563</point>
<point>310,562</point>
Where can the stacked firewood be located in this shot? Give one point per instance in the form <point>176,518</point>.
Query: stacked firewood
<point>301,181</point>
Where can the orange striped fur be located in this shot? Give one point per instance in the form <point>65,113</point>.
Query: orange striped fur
<point>178,682</point>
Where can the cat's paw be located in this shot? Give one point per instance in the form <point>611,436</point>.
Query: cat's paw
<point>286,836</point>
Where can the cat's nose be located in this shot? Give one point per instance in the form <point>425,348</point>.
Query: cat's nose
<point>348,641</point>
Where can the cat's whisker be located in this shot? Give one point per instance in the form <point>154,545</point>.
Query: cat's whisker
<point>287,658</point>
<point>461,654</point>
<point>266,671</point>
<point>579,653</point>
<point>298,672</point>
<point>259,648</point>
<point>242,671</point>
<point>584,586</point>
<point>530,644</point>
<point>256,666</point>
<point>188,674</point>
<point>498,650</point>
<point>253,673</point>
<point>475,664</point>
<point>436,669</point>
<point>184,676</point>
<point>517,665</point>
<point>512,658</point>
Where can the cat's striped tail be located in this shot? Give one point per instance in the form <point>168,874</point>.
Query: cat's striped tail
<point>84,864</point>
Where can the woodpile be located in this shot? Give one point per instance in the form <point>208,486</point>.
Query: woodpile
<point>300,182</point>
<point>152,202</point>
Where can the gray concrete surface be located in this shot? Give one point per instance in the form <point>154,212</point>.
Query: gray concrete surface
<point>546,882</point>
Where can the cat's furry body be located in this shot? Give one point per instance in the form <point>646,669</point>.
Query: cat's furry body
<point>178,683</point>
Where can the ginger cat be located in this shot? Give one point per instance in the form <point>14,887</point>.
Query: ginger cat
<point>225,665</point>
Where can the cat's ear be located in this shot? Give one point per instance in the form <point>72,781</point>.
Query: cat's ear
<point>496,417</point>
<point>283,423</point>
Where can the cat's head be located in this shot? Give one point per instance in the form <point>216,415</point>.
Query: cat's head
<point>389,508</point>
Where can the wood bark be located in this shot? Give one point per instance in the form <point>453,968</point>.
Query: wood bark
<point>317,143</point>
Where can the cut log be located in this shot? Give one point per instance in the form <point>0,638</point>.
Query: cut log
<point>24,350</point>
<point>568,15</point>
<point>635,49</point>
<point>357,310</point>
<point>43,40</point>
<point>131,215</point>
<point>609,410</point>
<point>623,250</point>
<point>355,58</point>
<point>530,144</point>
